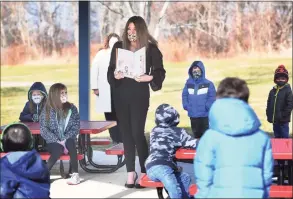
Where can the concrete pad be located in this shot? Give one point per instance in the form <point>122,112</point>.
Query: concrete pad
<point>102,185</point>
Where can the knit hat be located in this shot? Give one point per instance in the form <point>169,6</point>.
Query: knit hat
<point>281,71</point>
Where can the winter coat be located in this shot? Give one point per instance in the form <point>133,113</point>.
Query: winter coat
<point>234,157</point>
<point>166,138</point>
<point>26,115</point>
<point>49,129</point>
<point>99,81</point>
<point>24,175</point>
<point>279,104</point>
<point>198,95</point>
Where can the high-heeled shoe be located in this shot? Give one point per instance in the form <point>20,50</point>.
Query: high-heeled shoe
<point>132,185</point>
<point>138,186</point>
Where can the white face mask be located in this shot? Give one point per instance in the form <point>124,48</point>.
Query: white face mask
<point>37,99</point>
<point>112,41</point>
<point>63,98</point>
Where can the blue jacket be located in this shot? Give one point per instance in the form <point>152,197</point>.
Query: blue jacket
<point>166,138</point>
<point>50,130</point>
<point>198,95</point>
<point>234,157</point>
<point>26,115</point>
<point>24,175</point>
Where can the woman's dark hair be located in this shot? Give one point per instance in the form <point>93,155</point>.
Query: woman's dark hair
<point>233,87</point>
<point>16,137</point>
<point>143,35</point>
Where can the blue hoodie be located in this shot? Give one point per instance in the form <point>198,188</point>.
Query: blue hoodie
<point>198,95</point>
<point>24,175</point>
<point>166,137</point>
<point>26,115</point>
<point>234,157</point>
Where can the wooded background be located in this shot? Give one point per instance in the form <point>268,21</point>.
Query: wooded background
<point>36,30</point>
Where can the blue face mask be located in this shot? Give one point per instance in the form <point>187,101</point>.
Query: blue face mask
<point>196,74</point>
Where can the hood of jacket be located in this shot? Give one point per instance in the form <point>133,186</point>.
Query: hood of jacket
<point>233,117</point>
<point>167,116</point>
<point>202,68</point>
<point>37,86</point>
<point>27,164</point>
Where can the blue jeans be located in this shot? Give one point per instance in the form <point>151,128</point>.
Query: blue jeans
<point>176,183</point>
<point>281,130</point>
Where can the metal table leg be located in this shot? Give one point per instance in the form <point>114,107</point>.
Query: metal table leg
<point>281,172</point>
<point>290,172</point>
<point>85,148</point>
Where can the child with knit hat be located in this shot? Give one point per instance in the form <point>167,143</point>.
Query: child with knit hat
<point>280,103</point>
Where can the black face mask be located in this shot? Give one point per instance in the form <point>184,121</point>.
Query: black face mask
<point>280,83</point>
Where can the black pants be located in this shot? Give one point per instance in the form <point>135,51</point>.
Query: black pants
<point>131,121</point>
<point>199,126</point>
<point>56,150</point>
<point>114,131</point>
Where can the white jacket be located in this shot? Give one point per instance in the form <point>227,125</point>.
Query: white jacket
<point>99,80</point>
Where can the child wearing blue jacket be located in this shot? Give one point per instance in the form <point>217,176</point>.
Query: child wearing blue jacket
<point>234,157</point>
<point>23,174</point>
<point>197,98</point>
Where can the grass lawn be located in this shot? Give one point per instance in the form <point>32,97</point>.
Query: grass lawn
<point>258,72</point>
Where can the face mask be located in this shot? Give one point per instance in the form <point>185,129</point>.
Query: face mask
<point>37,99</point>
<point>196,74</point>
<point>63,98</point>
<point>132,37</point>
<point>280,83</point>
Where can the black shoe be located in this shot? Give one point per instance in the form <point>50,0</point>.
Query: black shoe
<point>132,185</point>
<point>138,186</point>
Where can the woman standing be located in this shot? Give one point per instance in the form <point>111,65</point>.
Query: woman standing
<point>131,96</point>
<point>101,87</point>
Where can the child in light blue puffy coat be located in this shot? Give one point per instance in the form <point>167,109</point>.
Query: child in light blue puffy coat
<point>234,157</point>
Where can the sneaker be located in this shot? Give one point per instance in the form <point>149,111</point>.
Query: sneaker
<point>74,180</point>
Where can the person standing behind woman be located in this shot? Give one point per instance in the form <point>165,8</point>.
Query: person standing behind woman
<point>101,87</point>
<point>131,96</point>
<point>59,126</point>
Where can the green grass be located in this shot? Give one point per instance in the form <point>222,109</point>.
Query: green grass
<point>257,72</point>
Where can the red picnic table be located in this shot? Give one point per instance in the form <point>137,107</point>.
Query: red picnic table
<point>281,148</point>
<point>84,144</point>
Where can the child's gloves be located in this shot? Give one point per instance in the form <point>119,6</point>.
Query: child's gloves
<point>35,117</point>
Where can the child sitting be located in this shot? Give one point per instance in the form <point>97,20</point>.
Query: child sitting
<point>37,96</point>
<point>165,138</point>
<point>234,157</point>
<point>23,173</point>
<point>59,126</point>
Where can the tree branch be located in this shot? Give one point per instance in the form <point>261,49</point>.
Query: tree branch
<point>112,10</point>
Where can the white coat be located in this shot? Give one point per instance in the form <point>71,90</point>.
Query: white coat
<point>99,80</point>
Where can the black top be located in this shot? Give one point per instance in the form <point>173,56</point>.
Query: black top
<point>129,89</point>
<point>279,104</point>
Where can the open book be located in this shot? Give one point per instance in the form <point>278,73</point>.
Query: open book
<point>131,64</point>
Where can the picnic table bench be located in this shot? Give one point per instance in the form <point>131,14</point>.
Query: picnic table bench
<point>84,146</point>
<point>281,148</point>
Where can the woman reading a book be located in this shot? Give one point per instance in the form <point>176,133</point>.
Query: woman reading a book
<point>101,87</point>
<point>131,93</point>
